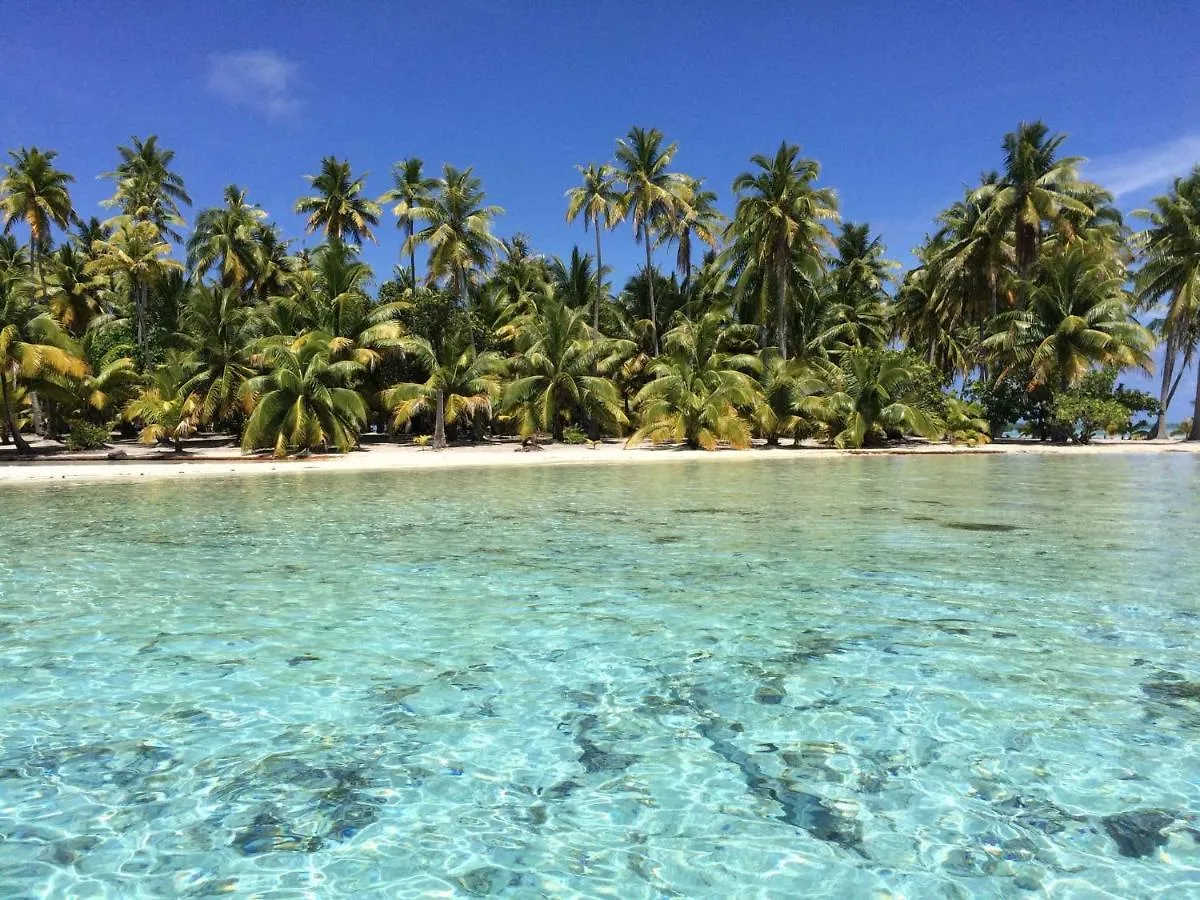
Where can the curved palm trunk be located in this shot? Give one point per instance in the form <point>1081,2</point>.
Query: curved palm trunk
<point>599,281</point>
<point>650,285</point>
<point>10,422</point>
<point>439,422</point>
<point>1164,395</point>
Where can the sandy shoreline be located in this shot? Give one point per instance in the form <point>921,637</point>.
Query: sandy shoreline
<point>386,457</point>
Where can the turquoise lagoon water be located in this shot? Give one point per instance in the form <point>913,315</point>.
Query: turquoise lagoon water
<point>863,677</point>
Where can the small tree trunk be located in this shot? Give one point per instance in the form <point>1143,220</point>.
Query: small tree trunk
<point>439,422</point>
<point>650,285</point>
<point>412,255</point>
<point>141,316</point>
<point>781,301</point>
<point>599,281</point>
<point>10,421</point>
<point>1194,433</point>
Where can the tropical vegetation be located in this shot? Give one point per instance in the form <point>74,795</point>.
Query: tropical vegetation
<point>775,320</point>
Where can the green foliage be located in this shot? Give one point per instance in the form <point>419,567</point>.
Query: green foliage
<point>573,434</point>
<point>1097,407</point>
<point>87,436</point>
<point>965,423</point>
<point>875,394</point>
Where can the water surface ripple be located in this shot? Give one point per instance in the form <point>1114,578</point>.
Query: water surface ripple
<point>861,677</point>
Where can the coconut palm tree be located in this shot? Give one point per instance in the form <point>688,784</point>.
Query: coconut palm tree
<point>457,230</point>
<point>1171,273</point>
<point>34,192</point>
<point>778,226</point>
<point>600,203</point>
<point>32,344</point>
<point>700,218</point>
<point>147,189</point>
<point>168,410</point>
<point>338,206</point>
<point>870,393</point>
<point>462,384</point>
<point>789,395</point>
<point>1037,188</point>
<point>1076,316</point>
<point>137,255</point>
<point>698,388</point>
<point>556,373</point>
<point>651,196</point>
<point>574,282</point>
<point>73,291</point>
<point>219,332</point>
<point>305,400</point>
<point>412,191</point>
<point>225,238</point>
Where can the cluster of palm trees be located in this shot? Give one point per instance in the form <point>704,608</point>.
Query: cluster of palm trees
<point>790,325</point>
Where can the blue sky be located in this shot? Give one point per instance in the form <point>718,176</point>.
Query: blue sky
<point>902,103</point>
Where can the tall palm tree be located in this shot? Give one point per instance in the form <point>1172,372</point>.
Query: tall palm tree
<point>338,206</point>
<point>651,195</point>
<point>573,282</point>
<point>779,224</point>
<point>1036,187</point>
<point>699,218</point>
<point>856,314</point>
<point>556,373</point>
<point>33,191</point>
<point>304,401</point>
<point>699,388</point>
<point>412,191</point>
<point>462,384</point>
<point>601,204</point>
<point>74,292</point>
<point>32,344</point>
<point>1171,273</point>
<point>147,188</point>
<point>226,238</point>
<point>137,254</point>
<point>458,229</point>
<point>1076,316</point>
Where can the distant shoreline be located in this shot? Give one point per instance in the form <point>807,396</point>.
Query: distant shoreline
<point>216,462</point>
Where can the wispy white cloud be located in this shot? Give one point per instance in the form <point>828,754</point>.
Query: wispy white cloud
<point>1124,173</point>
<point>261,80</point>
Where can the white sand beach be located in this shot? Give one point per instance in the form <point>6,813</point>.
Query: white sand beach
<point>226,461</point>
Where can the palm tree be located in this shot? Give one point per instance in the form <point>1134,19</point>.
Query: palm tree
<point>700,217</point>
<point>305,400</point>
<point>338,205</point>
<point>778,224</point>
<point>32,344</point>
<point>870,393</point>
<point>574,283</point>
<point>698,389</point>
<point>330,303</point>
<point>1036,187</point>
<point>34,192</point>
<point>458,229</point>
<point>411,192</point>
<point>557,373</point>
<point>225,237</point>
<point>168,409</point>
<point>219,332</point>
<point>137,254</point>
<point>1076,316</point>
<point>461,384</point>
<point>1172,273</point>
<point>600,203</point>
<point>147,189</point>
<point>74,292</point>
<point>652,196</point>
<point>789,394</point>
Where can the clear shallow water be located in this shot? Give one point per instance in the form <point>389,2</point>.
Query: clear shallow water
<point>857,677</point>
